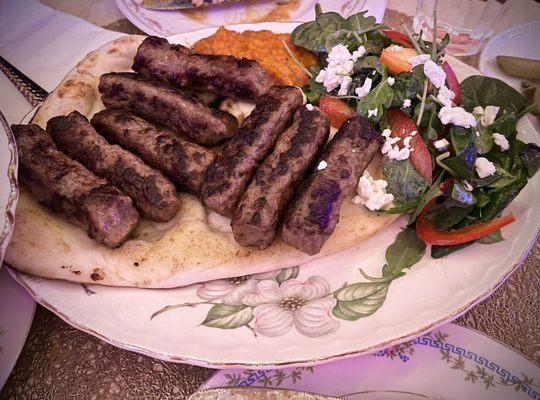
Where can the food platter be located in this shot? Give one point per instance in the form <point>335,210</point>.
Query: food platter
<point>199,324</point>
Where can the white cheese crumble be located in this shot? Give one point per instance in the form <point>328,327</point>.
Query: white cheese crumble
<point>441,144</point>
<point>445,96</point>
<point>339,69</point>
<point>467,185</point>
<point>395,48</point>
<point>372,193</point>
<point>365,88</point>
<point>420,59</point>
<point>501,141</point>
<point>392,150</point>
<point>322,165</point>
<point>390,80</point>
<point>309,107</point>
<point>484,167</point>
<point>488,115</point>
<point>457,116</point>
<point>406,103</point>
<point>372,113</point>
<point>435,73</point>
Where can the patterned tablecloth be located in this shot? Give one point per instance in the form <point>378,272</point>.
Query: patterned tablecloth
<point>60,362</point>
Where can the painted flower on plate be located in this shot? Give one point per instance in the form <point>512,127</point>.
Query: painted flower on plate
<point>305,305</point>
<point>232,290</point>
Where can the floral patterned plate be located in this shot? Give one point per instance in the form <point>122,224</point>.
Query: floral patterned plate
<point>323,310</point>
<point>450,363</point>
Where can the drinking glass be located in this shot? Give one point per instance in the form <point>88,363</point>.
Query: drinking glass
<point>468,22</point>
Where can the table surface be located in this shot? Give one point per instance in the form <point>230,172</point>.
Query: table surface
<point>60,362</point>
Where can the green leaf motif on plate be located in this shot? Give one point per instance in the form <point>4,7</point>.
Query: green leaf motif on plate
<point>227,316</point>
<point>359,300</point>
<point>287,273</point>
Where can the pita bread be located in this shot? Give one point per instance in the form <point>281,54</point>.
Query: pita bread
<point>191,248</point>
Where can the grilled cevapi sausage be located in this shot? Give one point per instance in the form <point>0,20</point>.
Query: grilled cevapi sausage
<point>313,215</point>
<point>261,208</point>
<point>153,194</point>
<point>70,189</point>
<point>185,163</point>
<point>178,65</point>
<point>153,101</point>
<point>228,177</point>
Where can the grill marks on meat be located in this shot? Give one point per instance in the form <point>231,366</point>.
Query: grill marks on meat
<point>228,177</point>
<point>185,163</point>
<point>156,102</point>
<point>153,194</point>
<point>178,65</point>
<point>259,212</point>
<point>313,215</point>
<point>70,189</point>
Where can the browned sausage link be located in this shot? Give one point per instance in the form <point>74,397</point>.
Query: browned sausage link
<point>178,65</point>
<point>156,102</point>
<point>185,163</point>
<point>313,215</point>
<point>227,179</point>
<point>70,189</point>
<point>153,194</point>
<point>259,212</point>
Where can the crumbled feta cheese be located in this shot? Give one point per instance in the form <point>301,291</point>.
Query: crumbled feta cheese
<point>358,53</point>
<point>392,150</point>
<point>435,74</point>
<point>413,133</point>
<point>477,134</point>
<point>386,133</point>
<point>322,165</point>
<point>488,115</point>
<point>420,59</point>
<point>390,80</point>
<point>398,154</point>
<point>372,113</point>
<point>467,185</point>
<point>457,116</point>
<point>395,48</point>
<point>445,96</point>
<point>344,87</point>
<point>501,141</point>
<point>339,69</point>
<point>372,193</point>
<point>406,103</point>
<point>309,107</point>
<point>365,88</point>
<point>407,141</point>
<point>484,167</point>
<point>441,144</point>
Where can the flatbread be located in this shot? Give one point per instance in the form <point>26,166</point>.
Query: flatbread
<point>191,248</point>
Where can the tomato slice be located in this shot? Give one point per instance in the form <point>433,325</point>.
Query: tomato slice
<point>402,126</point>
<point>425,229</point>
<point>397,61</point>
<point>337,110</point>
<point>397,37</point>
<point>452,82</point>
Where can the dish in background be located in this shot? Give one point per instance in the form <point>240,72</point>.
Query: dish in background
<point>451,363</point>
<point>167,23</point>
<point>520,41</point>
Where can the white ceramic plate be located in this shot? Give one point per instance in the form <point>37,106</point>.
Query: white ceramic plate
<point>167,23</point>
<point>433,292</point>
<point>451,363</point>
<point>520,41</point>
<point>16,306</point>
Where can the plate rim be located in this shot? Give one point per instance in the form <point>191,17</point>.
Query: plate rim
<point>20,277</point>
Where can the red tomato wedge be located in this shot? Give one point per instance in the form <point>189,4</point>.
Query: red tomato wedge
<point>397,37</point>
<point>402,126</point>
<point>337,110</point>
<point>452,82</point>
<point>397,61</point>
<point>425,229</point>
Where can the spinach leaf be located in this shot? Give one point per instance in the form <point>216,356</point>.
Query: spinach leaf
<point>433,192</point>
<point>369,62</point>
<point>408,85</point>
<point>530,156</point>
<point>312,89</point>
<point>494,237</point>
<point>450,217</point>
<point>406,251</point>
<point>463,163</point>
<point>404,182</point>
<point>503,178</point>
<point>483,140</point>
<point>442,251</point>
<point>483,91</point>
<point>499,200</point>
<point>313,35</point>
<point>462,197</point>
<point>379,98</point>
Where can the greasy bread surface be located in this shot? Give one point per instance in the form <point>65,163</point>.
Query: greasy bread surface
<point>183,251</point>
